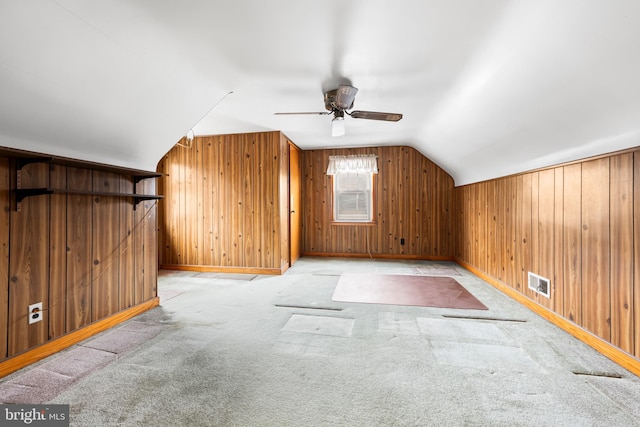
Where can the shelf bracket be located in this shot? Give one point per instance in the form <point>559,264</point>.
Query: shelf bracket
<point>22,193</point>
<point>22,162</point>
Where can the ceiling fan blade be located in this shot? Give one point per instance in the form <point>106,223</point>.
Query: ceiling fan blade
<point>314,113</point>
<point>345,96</point>
<point>375,115</point>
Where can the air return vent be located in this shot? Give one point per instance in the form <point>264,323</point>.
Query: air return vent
<point>540,284</point>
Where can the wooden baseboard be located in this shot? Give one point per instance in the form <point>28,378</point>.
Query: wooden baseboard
<point>47,349</point>
<point>381,256</point>
<point>218,269</point>
<point>627,361</point>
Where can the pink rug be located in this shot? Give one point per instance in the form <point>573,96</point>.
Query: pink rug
<point>424,291</point>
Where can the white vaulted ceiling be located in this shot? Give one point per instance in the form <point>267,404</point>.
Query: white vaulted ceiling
<point>487,88</point>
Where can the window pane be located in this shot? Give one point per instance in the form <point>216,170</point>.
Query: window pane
<point>352,197</point>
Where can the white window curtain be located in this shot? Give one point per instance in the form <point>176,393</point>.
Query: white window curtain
<point>353,164</point>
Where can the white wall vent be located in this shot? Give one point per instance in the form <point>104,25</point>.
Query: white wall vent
<point>540,284</point>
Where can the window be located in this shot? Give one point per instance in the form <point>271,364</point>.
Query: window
<point>353,195</point>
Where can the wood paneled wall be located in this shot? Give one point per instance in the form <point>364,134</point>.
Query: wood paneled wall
<point>226,204</point>
<point>414,201</point>
<point>84,257</point>
<point>576,224</point>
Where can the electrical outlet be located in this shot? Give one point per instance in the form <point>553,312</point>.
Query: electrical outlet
<point>35,312</point>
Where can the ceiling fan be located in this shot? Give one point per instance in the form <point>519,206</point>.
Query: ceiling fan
<point>339,101</point>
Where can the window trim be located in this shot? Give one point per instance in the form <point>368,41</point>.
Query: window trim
<point>373,202</point>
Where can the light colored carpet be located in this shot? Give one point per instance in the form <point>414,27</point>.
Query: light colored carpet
<point>248,353</point>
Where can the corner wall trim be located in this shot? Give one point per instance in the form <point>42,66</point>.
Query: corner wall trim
<point>47,349</point>
<point>605,348</point>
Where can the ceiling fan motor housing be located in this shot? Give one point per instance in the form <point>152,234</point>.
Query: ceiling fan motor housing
<point>341,98</point>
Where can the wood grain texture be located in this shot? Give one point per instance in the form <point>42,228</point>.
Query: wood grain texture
<point>29,264</point>
<point>595,248</point>
<point>105,262</point>
<point>150,243</point>
<point>636,253</point>
<point>5,216</point>
<point>55,240</point>
<point>295,202</point>
<point>126,259</point>
<point>414,202</point>
<point>545,253</point>
<point>233,190</point>
<point>526,243</point>
<point>139,216</point>
<point>79,246</point>
<point>621,261</point>
<point>557,279</point>
<point>57,253</point>
<point>572,243</point>
<point>576,224</point>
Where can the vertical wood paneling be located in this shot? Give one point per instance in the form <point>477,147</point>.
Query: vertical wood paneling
<point>534,235</point>
<point>29,263</point>
<point>470,220</point>
<point>258,166</point>
<point>621,261</point>
<point>270,237</point>
<point>47,251</point>
<point>595,247</point>
<point>200,234</point>
<point>492,216</point>
<point>518,237</point>
<point>558,222</point>
<point>178,181</point>
<point>57,253</point>
<point>5,216</point>
<point>208,193</point>
<point>295,202</point>
<point>225,194</point>
<point>414,201</point>
<point>105,296</point>
<point>189,205</point>
<point>572,242</point>
<point>501,248</point>
<point>233,192</point>
<point>474,226</point>
<point>139,229</point>
<point>248,209</point>
<point>283,249</point>
<point>150,242</point>
<point>510,225</point>
<point>79,244</point>
<point>234,202</point>
<point>526,247</point>
<point>636,253</point>
<point>126,248</point>
<point>577,224</point>
<point>546,233</point>
<point>422,194</point>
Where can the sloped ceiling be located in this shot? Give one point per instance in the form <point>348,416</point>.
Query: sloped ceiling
<point>487,88</point>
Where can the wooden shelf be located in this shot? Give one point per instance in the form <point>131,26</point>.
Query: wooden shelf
<point>24,158</point>
<point>22,193</point>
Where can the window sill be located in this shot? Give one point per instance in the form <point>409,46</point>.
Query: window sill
<point>362,223</point>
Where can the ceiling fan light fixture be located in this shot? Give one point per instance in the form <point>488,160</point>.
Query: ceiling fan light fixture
<point>337,126</point>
